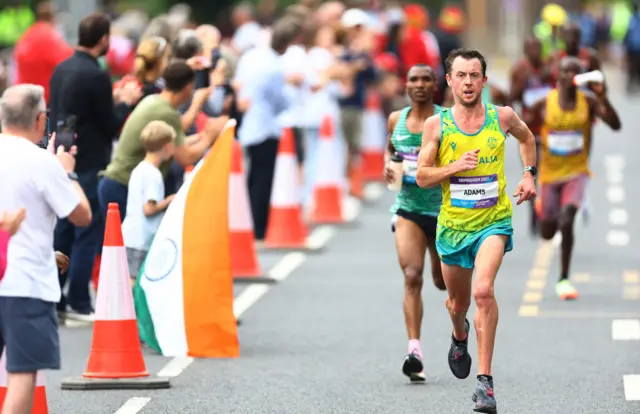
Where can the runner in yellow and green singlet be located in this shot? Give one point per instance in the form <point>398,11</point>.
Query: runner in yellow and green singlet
<point>463,149</point>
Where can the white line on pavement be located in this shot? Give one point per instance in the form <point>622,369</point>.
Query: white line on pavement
<point>625,329</point>
<point>618,216</point>
<point>632,387</point>
<point>133,405</point>
<point>617,238</point>
<point>614,161</point>
<point>373,191</point>
<point>615,194</point>
<point>320,236</point>
<point>175,367</point>
<point>615,177</point>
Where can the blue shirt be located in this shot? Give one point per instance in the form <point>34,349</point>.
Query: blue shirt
<point>262,83</point>
<point>362,79</point>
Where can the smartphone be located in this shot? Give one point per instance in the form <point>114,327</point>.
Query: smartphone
<point>66,132</point>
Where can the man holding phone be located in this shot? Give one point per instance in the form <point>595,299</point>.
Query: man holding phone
<point>83,113</point>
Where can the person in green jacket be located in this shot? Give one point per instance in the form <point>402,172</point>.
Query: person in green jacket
<point>15,19</point>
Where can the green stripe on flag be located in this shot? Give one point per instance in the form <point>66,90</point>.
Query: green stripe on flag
<point>145,323</point>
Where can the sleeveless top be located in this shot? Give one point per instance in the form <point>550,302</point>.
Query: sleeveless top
<point>473,200</point>
<point>412,198</point>
<point>565,139</point>
<point>534,91</point>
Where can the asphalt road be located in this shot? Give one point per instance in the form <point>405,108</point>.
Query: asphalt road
<point>330,338</point>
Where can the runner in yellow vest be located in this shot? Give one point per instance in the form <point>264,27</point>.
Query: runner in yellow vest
<point>566,115</point>
<point>463,149</point>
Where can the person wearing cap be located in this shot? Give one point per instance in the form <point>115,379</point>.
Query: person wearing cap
<point>355,54</point>
<point>547,30</point>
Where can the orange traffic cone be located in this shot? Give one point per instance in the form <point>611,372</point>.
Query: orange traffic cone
<point>327,193</point>
<point>286,229</point>
<point>244,260</point>
<point>95,272</point>
<point>40,405</point>
<point>374,138</point>
<point>356,184</point>
<point>115,360</point>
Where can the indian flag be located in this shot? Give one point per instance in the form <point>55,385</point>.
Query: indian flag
<point>184,292</point>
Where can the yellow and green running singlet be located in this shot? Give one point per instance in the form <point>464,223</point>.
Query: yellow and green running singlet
<point>473,200</point>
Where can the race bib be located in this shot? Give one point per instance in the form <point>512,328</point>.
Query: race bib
<point>409,168</point>
<point>565,143</point>
<point>474,192</point>
<point>533,95</point>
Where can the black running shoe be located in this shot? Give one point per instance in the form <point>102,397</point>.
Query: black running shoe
<point>459,358</point>
<point>412,367</point>
<point>483,397</point>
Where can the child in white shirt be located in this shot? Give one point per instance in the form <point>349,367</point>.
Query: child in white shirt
<point>146,202</point>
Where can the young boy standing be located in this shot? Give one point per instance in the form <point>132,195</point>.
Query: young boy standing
<point>146,202</point>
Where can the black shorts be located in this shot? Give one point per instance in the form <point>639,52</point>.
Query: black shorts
<point>29,330</point>
<point>298,137</point>
<point>427,223</point>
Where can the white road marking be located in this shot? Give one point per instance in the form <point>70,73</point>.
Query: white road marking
<point>175,367</point>
<point>615,194</point>
<point>625,330</point>
<point>320,237</point>
<point>618,238</point>
<point>615,177</point>
<point>632,387</point>
<point>557,239</point>
<point>133,405</point>
<point>618,217</point>
<point>614,161</point>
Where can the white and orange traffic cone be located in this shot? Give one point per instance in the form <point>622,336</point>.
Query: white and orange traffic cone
<point>115,359</point>
<point>328,198</point>
<point>40,405</point>
<point>245,266</point>
<point>374,134</point>
<point>286,229</point>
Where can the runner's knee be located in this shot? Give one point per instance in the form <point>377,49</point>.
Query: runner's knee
<point>412,277</point>
<point>483,293</point>
<point>458,304</point>
<point>548,230</point>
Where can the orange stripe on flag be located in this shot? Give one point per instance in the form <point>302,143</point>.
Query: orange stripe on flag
<point>210,324</point>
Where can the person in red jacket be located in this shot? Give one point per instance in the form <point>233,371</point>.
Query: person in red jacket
<point>40,50</point>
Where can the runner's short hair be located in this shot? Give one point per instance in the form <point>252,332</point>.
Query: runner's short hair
<point>466,54</point>
<point>156,135</point>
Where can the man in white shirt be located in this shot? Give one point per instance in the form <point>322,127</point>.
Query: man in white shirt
<point>35,179</point>
<point>248,31</point>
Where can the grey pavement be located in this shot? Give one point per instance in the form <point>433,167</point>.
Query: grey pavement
<point>331,337</point>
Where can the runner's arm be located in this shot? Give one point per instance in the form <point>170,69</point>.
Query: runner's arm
<point>391,125</point>
<point>512,124</point>
<point>594,61</point>
<point>518,83</point>
<point>602,108</point>
<point>428,174</point>
<point>499,96</point>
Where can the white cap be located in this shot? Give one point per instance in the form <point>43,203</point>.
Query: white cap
<point>354,17</point>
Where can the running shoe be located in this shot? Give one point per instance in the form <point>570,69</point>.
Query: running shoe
<point>484,398</point>
<point>412,367</point>
<point>459,358</point>
<point>565,290</point>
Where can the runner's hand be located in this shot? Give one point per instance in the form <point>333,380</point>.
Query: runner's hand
<point>468,161</point>
<point>526,190</point>
<point>599,89</point>
<point>389,174</point>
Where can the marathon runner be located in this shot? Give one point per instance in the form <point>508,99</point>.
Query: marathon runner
<point>588,57</point>
<point>463,148</point>
<point>530,82</point>
<point>416,208</point>
<point>567,114</point>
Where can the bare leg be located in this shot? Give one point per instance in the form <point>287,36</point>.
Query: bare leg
<point>488,261</point>
<point>411,244</point>
<point>436,265</point>
<point>20,390</point>
<point>458,282</point>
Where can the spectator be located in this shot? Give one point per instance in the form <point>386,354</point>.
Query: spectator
<point>632,44</point>
<point>15,18</point>
<point>151,60</point>
<point>47,187</point>
<point>160,27</point>
<point>146,201</point>
<point>80,89</point>
<point>248,31</point>
<point>179,79</point>
<point>40,50</point>
<point>261,81</point>
<point>355,22</point>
